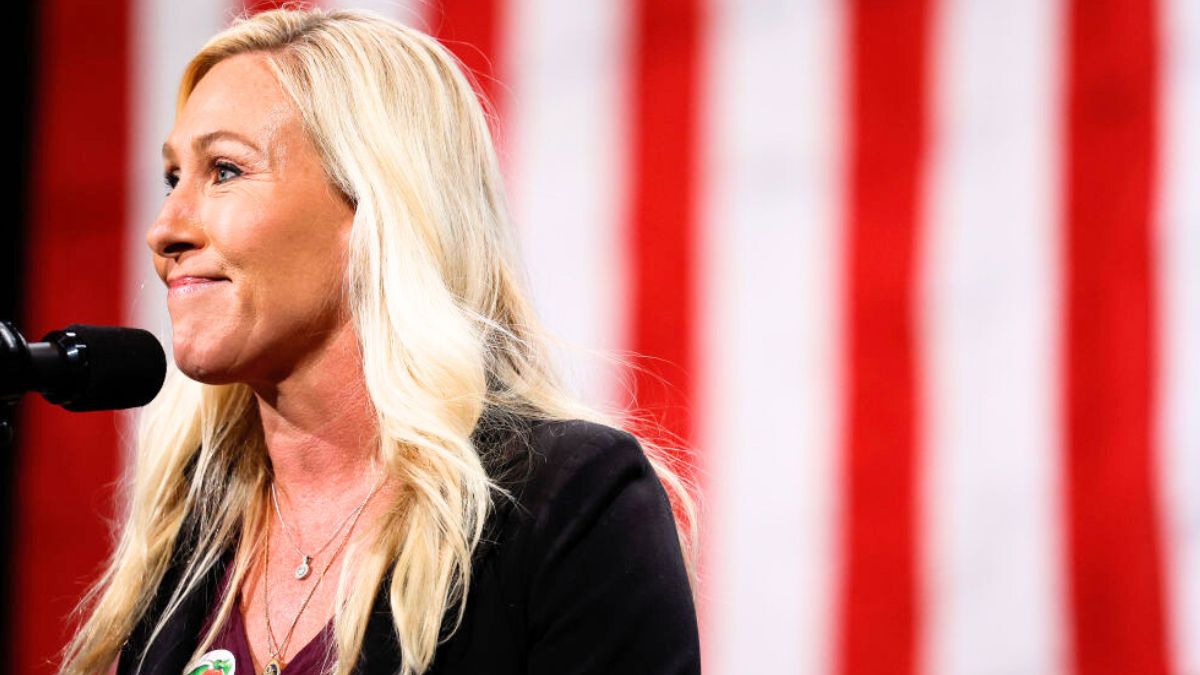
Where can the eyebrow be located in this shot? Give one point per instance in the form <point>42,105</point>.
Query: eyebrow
<point>205,140</point>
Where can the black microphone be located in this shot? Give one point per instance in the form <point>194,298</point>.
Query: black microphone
<point>83,368</point>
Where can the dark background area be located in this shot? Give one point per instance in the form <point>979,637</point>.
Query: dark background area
<point>21,59</point>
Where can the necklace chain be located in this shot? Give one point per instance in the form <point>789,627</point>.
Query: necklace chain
<point>303,569</point>
<point>277,649</point>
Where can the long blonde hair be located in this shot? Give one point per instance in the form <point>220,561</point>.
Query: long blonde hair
<point>445,332</point>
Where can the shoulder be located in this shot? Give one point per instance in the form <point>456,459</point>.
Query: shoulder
<point>557,473</point>
<point>572,434</point>
<point>591,543</point>
<point>576,455</point>
<point>580,569</point>
<point>581,481</point>
<point>572,468</point>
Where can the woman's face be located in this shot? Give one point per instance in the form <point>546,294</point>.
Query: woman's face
<point>251,238</point>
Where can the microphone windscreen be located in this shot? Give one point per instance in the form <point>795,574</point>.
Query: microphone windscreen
<point>126,367</point>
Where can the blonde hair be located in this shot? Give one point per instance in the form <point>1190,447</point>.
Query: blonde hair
<point>444,327</point>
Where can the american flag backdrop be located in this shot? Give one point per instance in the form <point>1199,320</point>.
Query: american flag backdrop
<point>922,278</point>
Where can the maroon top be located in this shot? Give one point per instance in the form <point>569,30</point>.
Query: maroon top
<point>232,637</point>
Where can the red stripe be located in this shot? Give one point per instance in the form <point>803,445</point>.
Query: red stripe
<point>879,617</point>
<point>75,262</point>
<point>473,29</point>
<point>666,35</point>
<point>1114,550</point>
<point>252,7</point>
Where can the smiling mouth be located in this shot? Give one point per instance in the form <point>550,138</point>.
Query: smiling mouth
<point>189,285</point>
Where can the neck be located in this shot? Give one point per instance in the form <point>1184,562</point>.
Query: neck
<point>320,429</point>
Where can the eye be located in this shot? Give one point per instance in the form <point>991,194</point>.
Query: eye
<point>223,168</point>
<point>171,180</point>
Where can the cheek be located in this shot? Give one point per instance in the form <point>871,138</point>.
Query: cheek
<point>286,282</point>
<point>281,230</point>
<point>285,251</point>
<point>295,254</point>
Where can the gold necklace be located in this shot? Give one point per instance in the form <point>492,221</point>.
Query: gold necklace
<point>276,663</point>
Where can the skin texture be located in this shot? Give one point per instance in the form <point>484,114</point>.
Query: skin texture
<point>267,230</point>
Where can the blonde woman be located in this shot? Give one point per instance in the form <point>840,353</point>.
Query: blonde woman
<point>362,462</point>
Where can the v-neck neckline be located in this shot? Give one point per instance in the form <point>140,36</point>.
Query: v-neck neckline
<point>317,641</point>
<point>304,654</point>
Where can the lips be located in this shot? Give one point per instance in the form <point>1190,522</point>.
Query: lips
<point>192,284</point>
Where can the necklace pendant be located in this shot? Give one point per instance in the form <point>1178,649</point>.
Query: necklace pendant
<point>273,667</point>
<point>303,570</point>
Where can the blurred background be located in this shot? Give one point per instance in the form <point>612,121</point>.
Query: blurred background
<point>917,280</point>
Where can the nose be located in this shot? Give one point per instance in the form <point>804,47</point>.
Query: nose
<point>175,230</point>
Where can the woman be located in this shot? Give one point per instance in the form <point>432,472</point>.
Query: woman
<point>363,462</point>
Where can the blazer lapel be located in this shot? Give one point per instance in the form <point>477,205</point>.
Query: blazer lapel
<point>380,650</point>
<point>509,465</point>
<point>174,644</point>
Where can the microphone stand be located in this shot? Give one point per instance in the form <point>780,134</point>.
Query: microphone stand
<point>12,377</point>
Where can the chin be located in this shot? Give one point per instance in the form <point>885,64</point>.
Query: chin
<point>203,365</point>
<point>203,373</point>
<point>206,376</point>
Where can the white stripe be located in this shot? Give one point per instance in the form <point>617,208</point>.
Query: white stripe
<point>769,309</point>
<point>1179,329</point>
<point>989,319</point>
<point>166,34</point>
<point>565,116</point>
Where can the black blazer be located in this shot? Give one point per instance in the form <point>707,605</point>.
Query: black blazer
<point>582,575</point>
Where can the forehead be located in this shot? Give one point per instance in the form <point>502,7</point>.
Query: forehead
<point>241,95</point>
